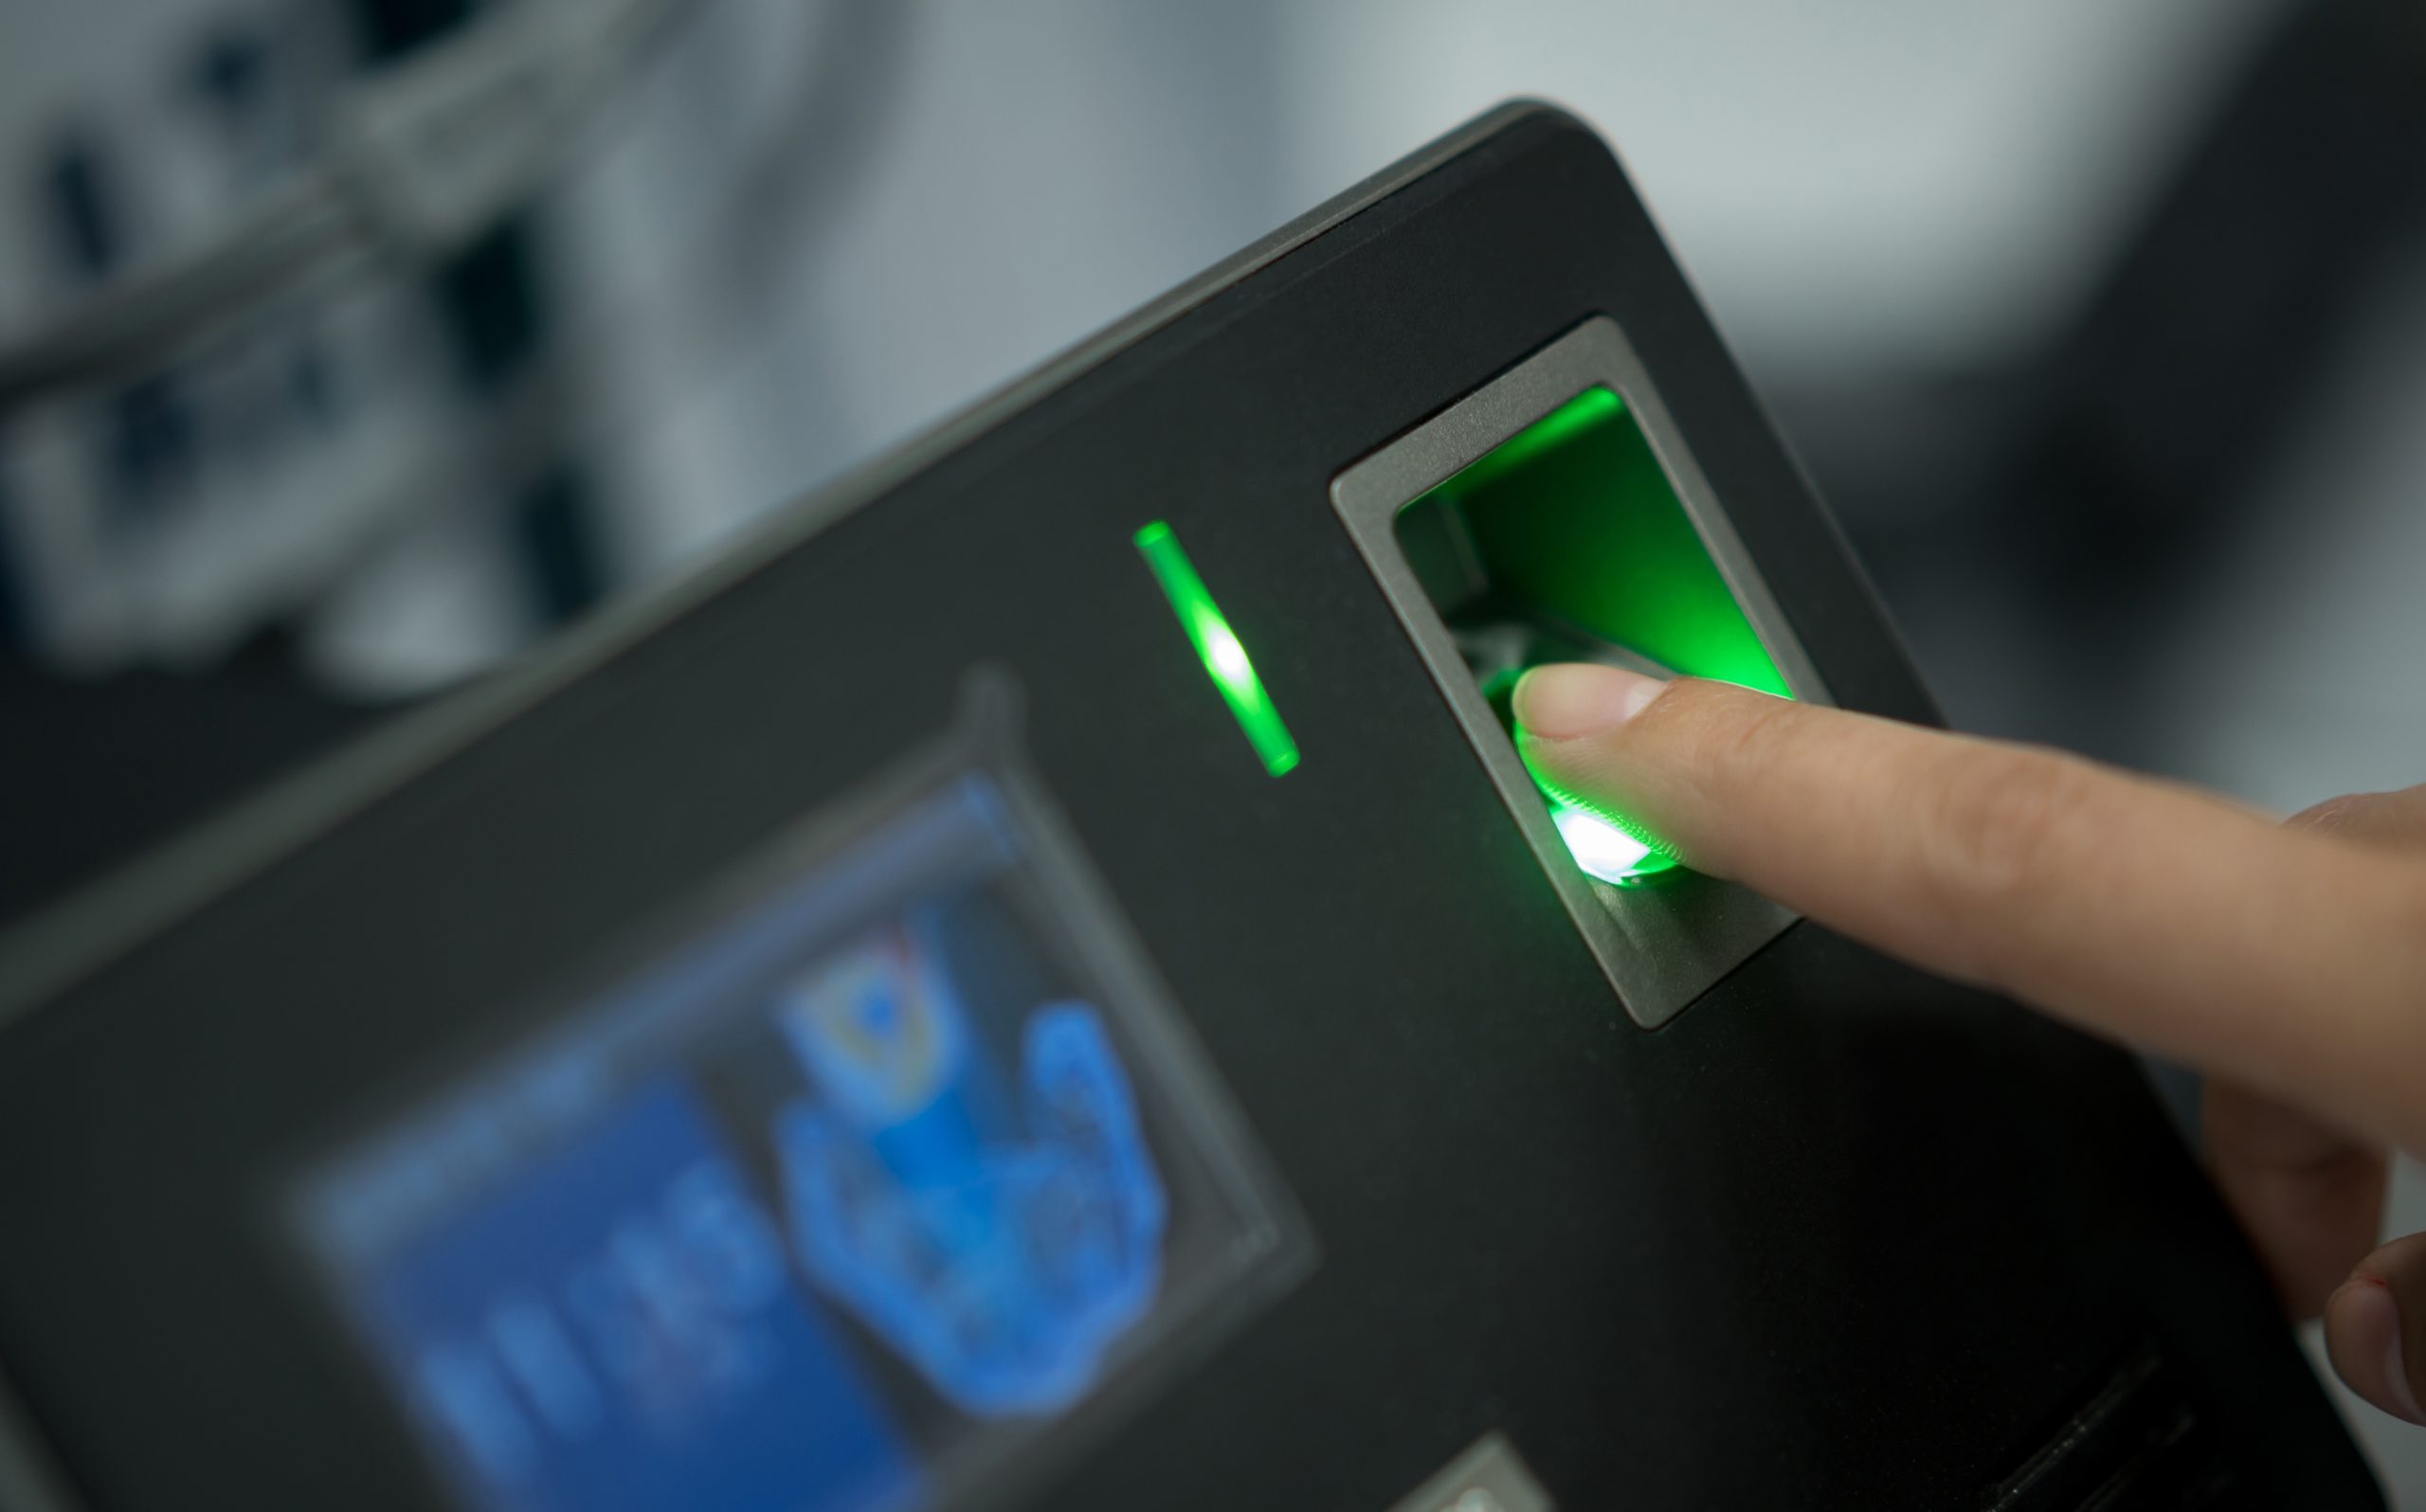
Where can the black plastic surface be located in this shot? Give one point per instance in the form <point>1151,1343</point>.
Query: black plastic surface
<point>1839,1236</point>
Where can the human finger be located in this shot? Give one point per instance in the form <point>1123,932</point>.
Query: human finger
<point>2291,961</point>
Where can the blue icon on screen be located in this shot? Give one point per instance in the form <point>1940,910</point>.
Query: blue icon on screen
<point>616,1328</point>
<point>993,1215</point>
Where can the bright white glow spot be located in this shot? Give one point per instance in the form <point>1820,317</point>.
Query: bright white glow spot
<point>1599,847</point>
<point>1228,659</point>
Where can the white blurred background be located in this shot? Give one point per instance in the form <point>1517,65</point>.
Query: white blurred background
<point>2102,325</point>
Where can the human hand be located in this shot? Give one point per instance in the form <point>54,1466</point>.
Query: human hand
<point>2288,962</point>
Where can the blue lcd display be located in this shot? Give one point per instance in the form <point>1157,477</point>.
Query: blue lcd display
<point>833,1205</point>
<point>615,1327</point>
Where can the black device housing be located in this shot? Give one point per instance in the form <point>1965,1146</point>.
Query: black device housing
<point>1840,1236</point>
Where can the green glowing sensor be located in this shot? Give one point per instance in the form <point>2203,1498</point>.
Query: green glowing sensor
<point>1216,646</point>
<point>1566,541</point>
<point>1603,849</point>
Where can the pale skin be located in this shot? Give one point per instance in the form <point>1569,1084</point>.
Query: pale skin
<point>2287,960</point>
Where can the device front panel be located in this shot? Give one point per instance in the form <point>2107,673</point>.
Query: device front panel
<point>1182,929</point>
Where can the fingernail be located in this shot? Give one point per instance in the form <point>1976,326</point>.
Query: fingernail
<point>2379,1313</point>
<point>1575,699</point>
<point>2396,1368</point>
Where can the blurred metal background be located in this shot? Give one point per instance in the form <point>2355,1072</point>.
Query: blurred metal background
<point>2102,326</point>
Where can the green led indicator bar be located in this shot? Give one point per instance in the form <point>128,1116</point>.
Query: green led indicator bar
<point>1216,646</point>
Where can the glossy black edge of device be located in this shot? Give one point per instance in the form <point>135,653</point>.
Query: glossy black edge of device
<point>30,1479</point>
<point>69,939</point>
